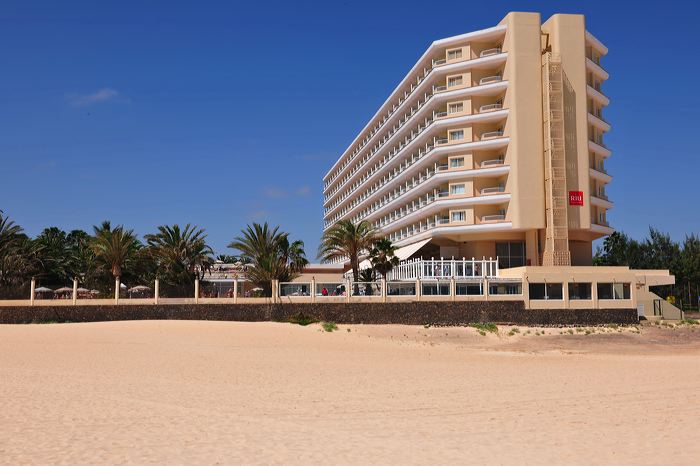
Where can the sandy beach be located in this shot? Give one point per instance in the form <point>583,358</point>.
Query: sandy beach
<point>227,392</point>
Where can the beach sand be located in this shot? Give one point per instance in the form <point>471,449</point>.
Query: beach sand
<point>228,392</point>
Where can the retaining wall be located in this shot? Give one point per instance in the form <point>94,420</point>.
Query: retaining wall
<point>411,313</point>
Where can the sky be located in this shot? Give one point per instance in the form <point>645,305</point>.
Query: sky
<point>225,113</point>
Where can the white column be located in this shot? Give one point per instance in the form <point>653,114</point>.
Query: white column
<point>75,291</point>
<point>383,290</point>
<point>156,291</point>
<point>196,290</point>
<point>419,291</point>
<point>235,290</point>
<point>32,291</point>
<point>453,288</point>
<point>313,290</point>
<point>348,289</point>
<point>117,284</point>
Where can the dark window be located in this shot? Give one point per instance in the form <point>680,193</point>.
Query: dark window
<point>579,291</point>
<point>505,288</point>
<point>546,291</point>
<point>469,289</point>
<point>510,254</point>
<point>613,291</point>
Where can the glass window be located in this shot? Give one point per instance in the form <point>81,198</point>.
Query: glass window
<point>510,254</point>
<point>454,54</point>
<point>506,288</point>
<point>456,135</point>
<point>613,291</point>
<point>546,291</point>
<point>469,289</point>
<point>457,189</point>
<point>455,108</point>
<point>436,289</point>
<point>579,291</point>
<point>454,81</point>
<point>458,216</point>
<point>456,162</point>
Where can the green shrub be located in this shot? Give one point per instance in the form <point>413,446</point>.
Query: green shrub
<point>302,319</point>
<point>486,327</point>
<point>329,326</point>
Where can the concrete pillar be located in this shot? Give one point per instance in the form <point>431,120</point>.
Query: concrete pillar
<point>75,291</point>
<point>156,291</point>
<point>312,291</point>
<point>117,284</point>
<point>196,290</point>
<point>32,291</point>
<point>384,290</point>
<point>275,290</point>
<point>485,285</point>
<point>594,295</point>
<point>419,290</point>
<point>565,294</point>
<point>235,290</point>
<point>453,288</point>
<point>348,289</point>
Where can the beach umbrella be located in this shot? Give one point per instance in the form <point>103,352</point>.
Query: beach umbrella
<point>65,289</point>
<point>139,288</point>
<point>43,289</point>
<point>122,286</point>
<point>83,290</point>
<point>94,291</point>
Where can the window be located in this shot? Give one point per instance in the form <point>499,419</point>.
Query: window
<point>469,289</point>
<point>455,108</point>
<point>454,54</point>
<point>456,135</point>
<point>613,291</point>
<point>458,216</point>
<point>510,254</point>
<point>546,291</point>
<point>454,81</point>
<point>457,162</point>
<point>457,189</point>
<point>505,288</point>
<point>579,291</point>
<point>436,289</point>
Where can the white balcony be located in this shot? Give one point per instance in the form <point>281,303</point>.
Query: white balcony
<point>491,135</point>
<point>439,62</point>
<point>492,162</point>
<point>489,52</point>
<point>493,190</point>
<point>490,108</point>
<point>439,88</point>
<point>439,114</point>
<point>440,141</point>
<point>493,218</point>
<point>490,80</point>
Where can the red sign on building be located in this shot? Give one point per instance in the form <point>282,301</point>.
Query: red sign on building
<point>575,197</point>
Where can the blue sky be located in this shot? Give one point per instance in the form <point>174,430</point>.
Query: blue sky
<point>224,113</point>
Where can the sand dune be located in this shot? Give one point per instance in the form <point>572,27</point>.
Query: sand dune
<point>224,392</point>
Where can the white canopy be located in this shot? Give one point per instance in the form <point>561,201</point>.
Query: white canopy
<point>402,253</point>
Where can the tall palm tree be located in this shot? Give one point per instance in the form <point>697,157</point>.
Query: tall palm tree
<point>182,254</point>
<point>346,239</point>
<point>272,256</point>
<point>382,256</point>
<point>9,233</point>
<point>18,258</point>
<point>115,247</point>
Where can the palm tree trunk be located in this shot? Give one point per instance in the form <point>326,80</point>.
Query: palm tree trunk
<point>354,263</point>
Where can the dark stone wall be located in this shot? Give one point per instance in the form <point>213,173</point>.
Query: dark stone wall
<point>412,313</point>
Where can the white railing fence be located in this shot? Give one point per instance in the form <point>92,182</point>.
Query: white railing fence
<point>434,269</point>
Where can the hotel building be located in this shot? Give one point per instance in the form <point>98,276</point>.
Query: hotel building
<point>491,146</point>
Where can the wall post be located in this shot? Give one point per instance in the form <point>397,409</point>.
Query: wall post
<point>156,291</point>
<point>235,290</point>
<point>383,289</point>
<point>196,290</point>
<point>312,291</point>
<point>419,290</point>
<point>75,292</point>
<point>117,284</point>
<point>32,291</point>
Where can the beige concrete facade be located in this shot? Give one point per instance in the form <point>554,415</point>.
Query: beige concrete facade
<point>457,152</point>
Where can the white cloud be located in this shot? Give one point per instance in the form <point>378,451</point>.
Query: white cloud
<point>304,191</point>
<point>274,193</point>
<point>84,100</point>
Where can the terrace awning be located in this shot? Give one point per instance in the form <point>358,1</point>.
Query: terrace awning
<point>402,253</point>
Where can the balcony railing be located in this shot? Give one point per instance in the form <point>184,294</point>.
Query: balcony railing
<point>491,135</point>
<point>435,269</point>
<point>439,88</point>
<point>493,190</point>
<point>492,218</point>
<point>439,62</point>
<point>441,141</point>
<point>441,168</point>
<point>439,114</point>
<point>489,52</point>
<point>490,108</point>
<point>443,194</point>
<point>492,162</point>
<point>490,80</point>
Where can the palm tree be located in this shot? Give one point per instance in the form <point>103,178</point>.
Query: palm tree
<point>346,239</point>
<point>272,256</point>
<point>9,233</point>
<point>382,256</point>
<point>181,254</point>
<point>18,258</point>
<point>115,247</point>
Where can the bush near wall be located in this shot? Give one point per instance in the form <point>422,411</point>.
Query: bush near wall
<point>413,313</point>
